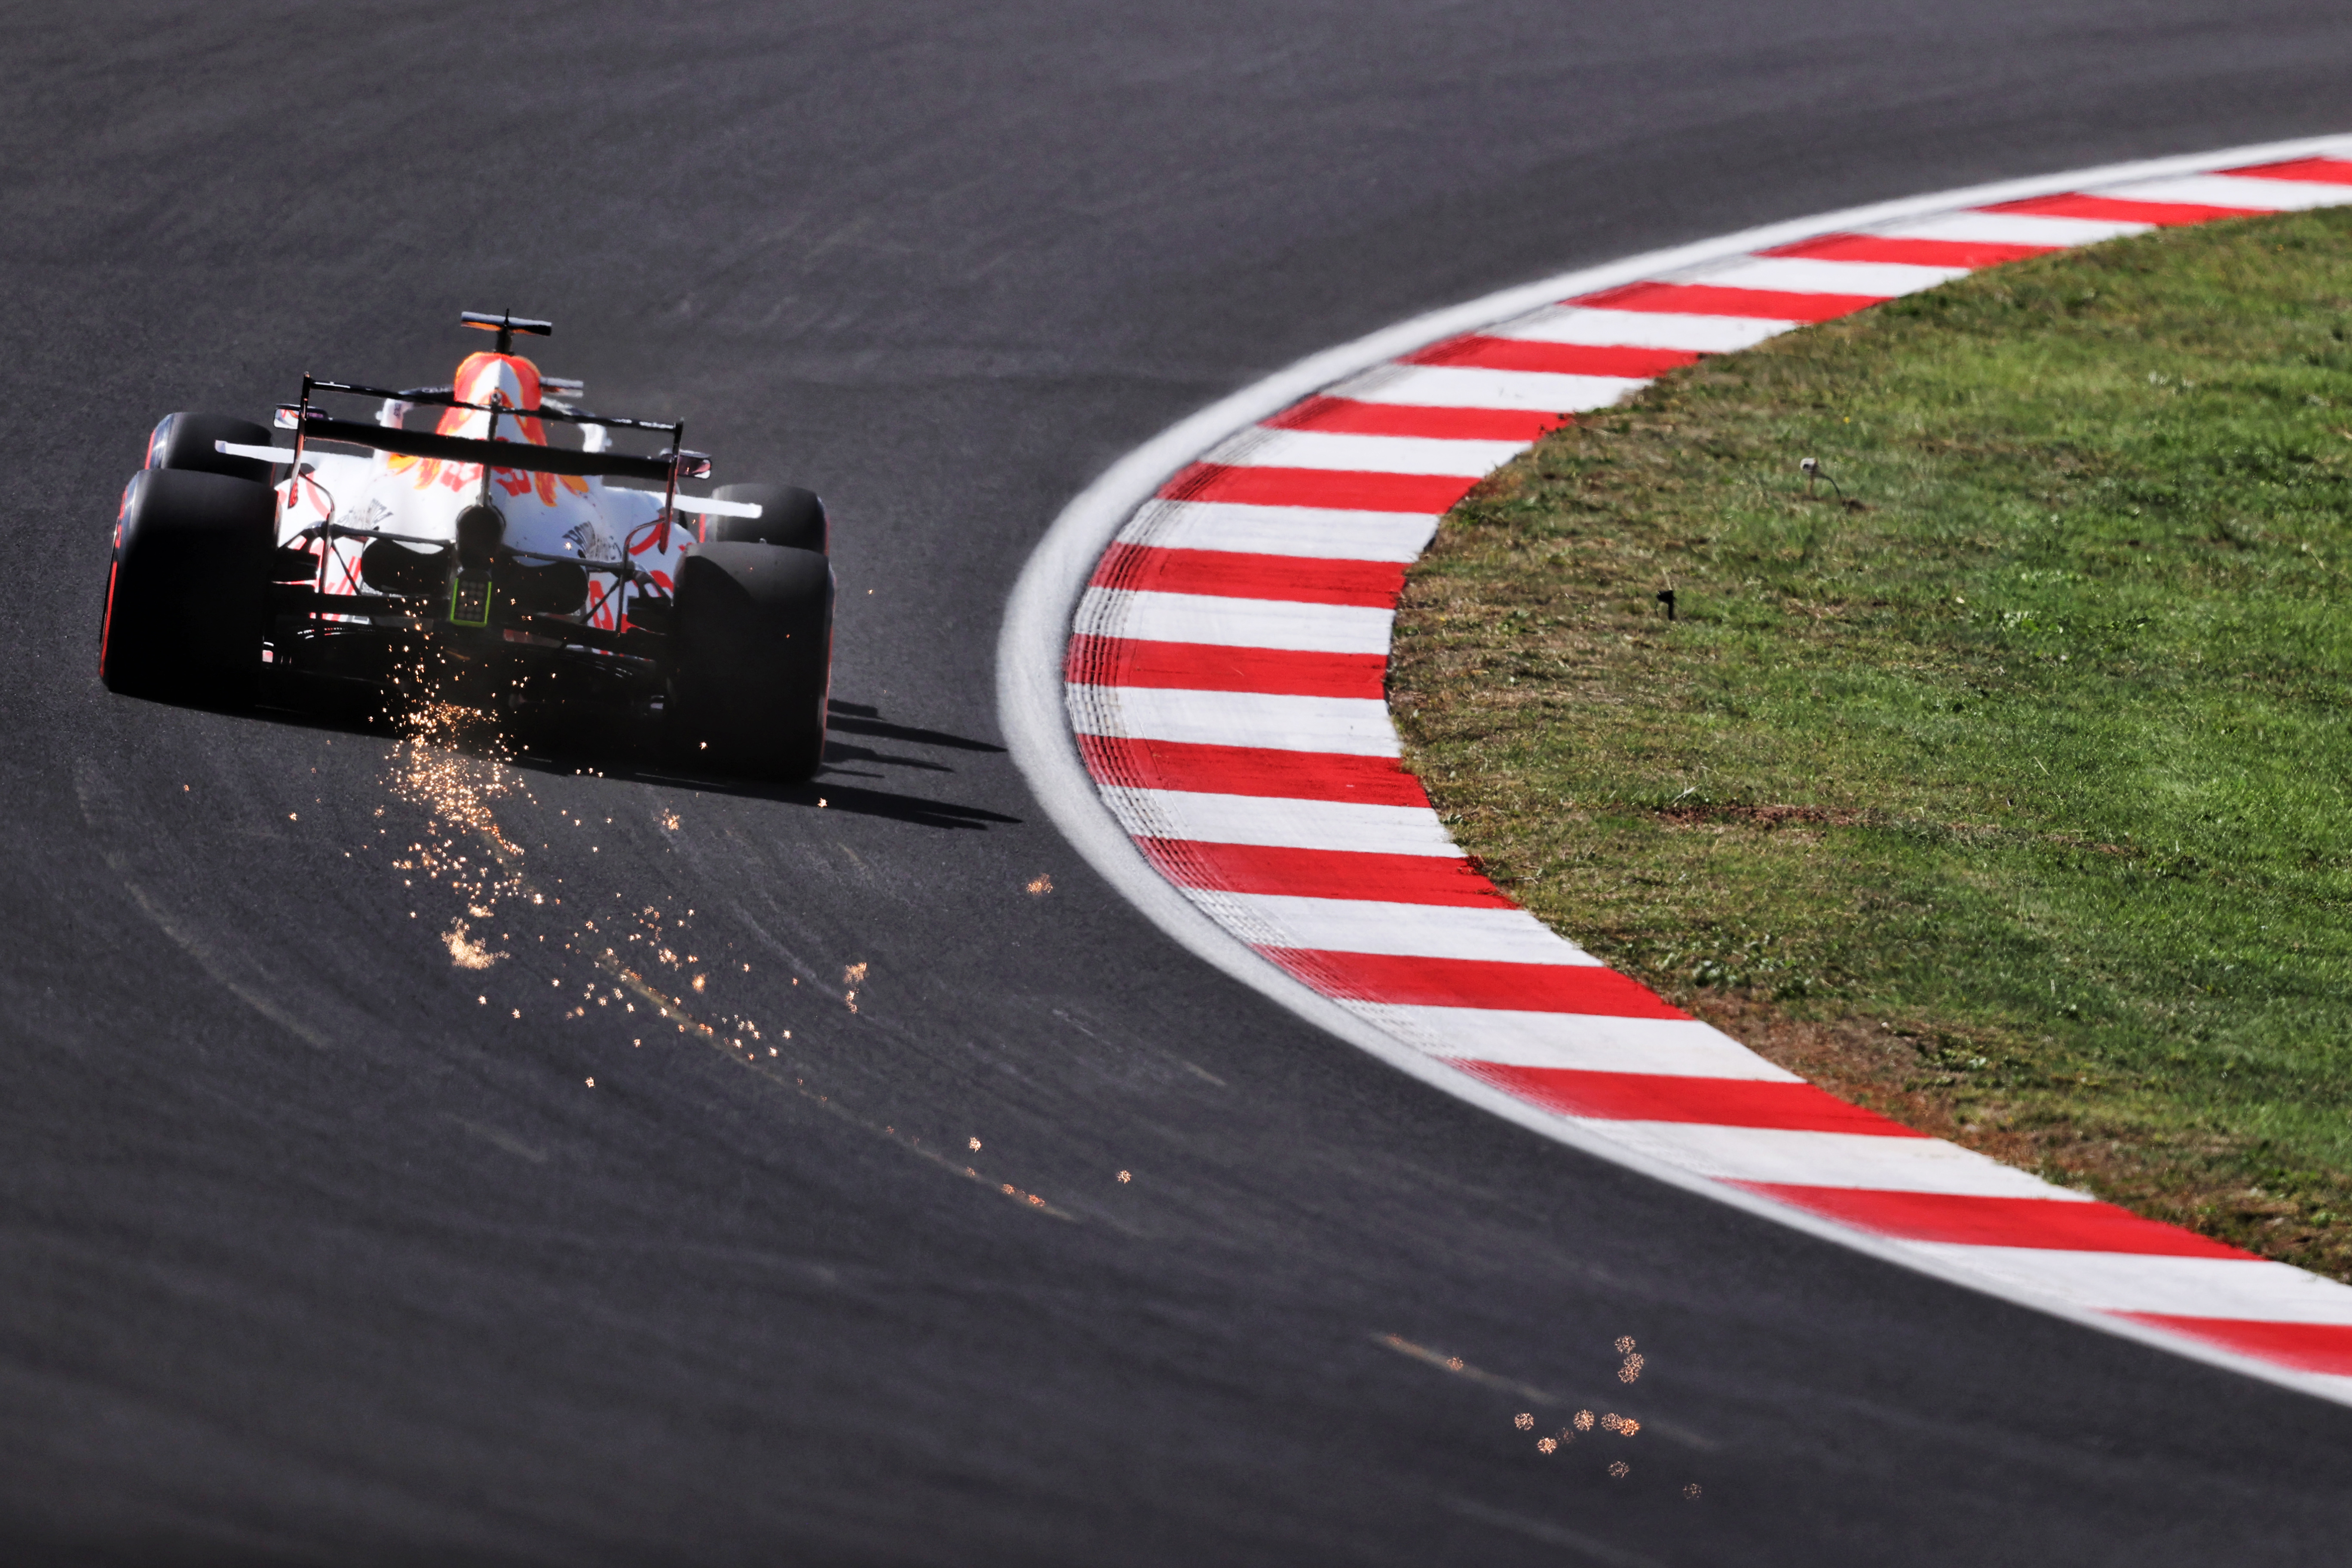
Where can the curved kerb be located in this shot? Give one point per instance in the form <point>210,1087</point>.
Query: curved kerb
<point>1187,676</point>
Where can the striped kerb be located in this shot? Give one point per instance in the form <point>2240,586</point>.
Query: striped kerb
<point>1224,678</point>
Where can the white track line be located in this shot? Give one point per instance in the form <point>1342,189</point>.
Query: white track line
<point>2008,229</point>
<point>1336,826</point>
<point>1152,617</point>
<point>1883,279</point>
<point>1349,726</point>
<point>1452,386</point>
<point>2229,190</point>
<point>1371,453</point>
<point>1593,328</point>
<point>1398,536</point>
<point>1826,1160</point>
<point>1574,1041</point>
<point>1421,931</point>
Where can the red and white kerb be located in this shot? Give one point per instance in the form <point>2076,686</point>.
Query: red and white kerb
<point>1223,676</point>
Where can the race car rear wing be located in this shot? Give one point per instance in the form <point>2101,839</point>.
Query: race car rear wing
<point>663,467</point>
<point>706,506</point>
<point>445,397</point>
<point>658,470</point>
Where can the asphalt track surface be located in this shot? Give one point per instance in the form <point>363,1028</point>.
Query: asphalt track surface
<point>307,1255</point>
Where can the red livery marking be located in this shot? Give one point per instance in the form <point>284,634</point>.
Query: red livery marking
<point>2314,171</point>
<point>1474,982</point>
<point>1206,667</point>
<point>1339,491</point>
<point>1200,769</point>
<point>2114,209</point>
<point>1661,1096</point>
<point>1343,417</point>
<point>106,625</point>
<point>1908,252</point>
<point>2308,1347</point>
<point>1477,352</point>
<point>1710,299</point>
<point>1232,575</point>
<point>2057,1222</point>
<point>1324,873</point>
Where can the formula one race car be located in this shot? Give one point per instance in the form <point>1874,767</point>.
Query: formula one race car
<point>479,560</point>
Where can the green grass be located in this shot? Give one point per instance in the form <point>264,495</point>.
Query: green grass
<point>2012,793</point>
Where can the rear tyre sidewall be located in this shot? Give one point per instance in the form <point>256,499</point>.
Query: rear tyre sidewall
<point>789,516</point>
<point>187,604</point>
<point>753,661</point>
<point>185,442</point>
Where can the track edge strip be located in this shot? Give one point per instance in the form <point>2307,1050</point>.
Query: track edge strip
<point>1040,609</point>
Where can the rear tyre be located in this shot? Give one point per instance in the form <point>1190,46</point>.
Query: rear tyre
<point>789,516</point>
<point>754,659</point>
<point>184,441</point>
<point>186,596</point>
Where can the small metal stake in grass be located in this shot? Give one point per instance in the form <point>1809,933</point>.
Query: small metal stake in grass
<point>1667,597</point>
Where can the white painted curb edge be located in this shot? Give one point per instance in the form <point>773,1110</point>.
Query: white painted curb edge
<point>1038,621</point>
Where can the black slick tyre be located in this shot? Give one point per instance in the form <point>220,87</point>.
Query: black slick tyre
<point>789,516</point>
<point>186,595</point>
<point>754,659</point>
<point>184,441</point>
